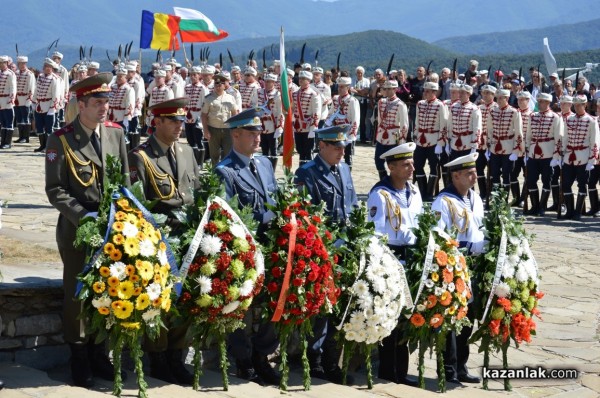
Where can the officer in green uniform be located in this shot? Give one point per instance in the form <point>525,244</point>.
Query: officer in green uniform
<point>75,159</point>
<point>169,175</point>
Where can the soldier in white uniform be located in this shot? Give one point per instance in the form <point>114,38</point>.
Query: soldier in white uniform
<point>159,93</point>
<point>346,110</point>
<point>504,134</point>
<point>249,89</point>
<point>392,129</point>
<point>47,97</point>
<point>319,86</point>
<point>523,98</point>
<point>63,73</point>
<point>137,84</point>
<point>122,100</point>
<point>8,93</point>
<point>307,109</point>
<point>487,95</point>
<point>23,101</point>
<point>195,93</point>
<point>454,98</point>
<point>580,153</point>
<point>93,68</point>
<point>429,133</point>
<point>542,146</point>
<point>464,125</point>
<point>459,208</point>
<point>394,205</point>
<point>269,100</point>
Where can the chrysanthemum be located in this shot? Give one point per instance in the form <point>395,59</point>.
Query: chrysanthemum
<point>142,302</point>
<point>360,288</point>
<point>113,281</point>
<point>101,302</point>
<point>204,283</point>
<point>113,291</point>
<point>502,290</point>
<point>246,288</point>
<point>210,245</point>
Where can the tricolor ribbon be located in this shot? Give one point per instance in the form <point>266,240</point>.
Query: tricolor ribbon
<point>288,271</point>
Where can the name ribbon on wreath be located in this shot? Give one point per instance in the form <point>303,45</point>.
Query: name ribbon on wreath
<point>498,273</point>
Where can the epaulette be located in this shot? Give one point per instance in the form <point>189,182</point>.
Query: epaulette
<point>112,124</point>
<point>306,165</point>
<point>68,129</point>
<point>140,147</point>
<point>223,163</point>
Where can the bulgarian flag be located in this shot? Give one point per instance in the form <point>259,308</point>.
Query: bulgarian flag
<point>195,27</point>
<point>288,133</point>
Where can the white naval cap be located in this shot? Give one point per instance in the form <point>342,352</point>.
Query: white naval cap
<point>57,55</point>
<point>225,74</point>
<point>276,62</point>
<point>463,162</point>
<point>172,61</point>
<point>544,97</point>
<point>250,71</point>
<point>304,74</point>
<point>579,99</point>
<point>489,88</point>
<point>473,62</point>
<point>344,81</point>
<point>430,86</point>
<point>390,84</point>
<point>400,152</point>
<point>22,58</point>
<point>566,99</point>
<point>503,93</point>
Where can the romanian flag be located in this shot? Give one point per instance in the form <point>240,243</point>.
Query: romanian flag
<point>288,132</point>
<point>195,27</point>
<point>159,31</point>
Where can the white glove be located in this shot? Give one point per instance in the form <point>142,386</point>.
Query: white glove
<point>473,150</point>
<point>438,149</point>
<point>278,132</point>
<point>526,159</point>
<point>554,162</point>
<point>513,157</point>
<point>479,247</point>
<point>126,124</point>
<point>51,111</point>
<point>487,154</point>
<point>448,149</point>
<point>311,132</point>
<point>589,167</point>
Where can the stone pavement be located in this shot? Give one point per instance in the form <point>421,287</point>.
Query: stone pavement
<point>566,251</point>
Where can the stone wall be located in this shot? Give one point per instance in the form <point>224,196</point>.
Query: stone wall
<point>31,326</point>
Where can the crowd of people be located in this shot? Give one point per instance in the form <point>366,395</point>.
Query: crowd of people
<point>468,128</point>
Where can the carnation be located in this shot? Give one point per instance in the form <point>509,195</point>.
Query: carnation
<point>204,283</point>
<point>210,245</point>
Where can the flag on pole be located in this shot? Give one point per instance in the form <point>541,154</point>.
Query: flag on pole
<point>159,31</point>
<point>196,27</point>
<point>288,133</point>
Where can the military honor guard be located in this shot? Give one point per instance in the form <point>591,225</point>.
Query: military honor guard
<point>195,93</point>
<point>122,100</point>
<point>307,113</point>
<point>346,110</point>
<point>269,101</point>
<point>504,135</point>
<point>63,74</point>
<point>327,179</point>
<point>136,82</point>
<point>464,125</point>
<point>251,179</point>
<point>430,129</point>
<point>75,161</point>
<point>543,148</point>
<point>392,129</point>
<point>249,89</point>
<point>169,175</point>
<point>394,204</point>
<point>487,93</point>
<point>460,209</point>
<point>46,99</point>
<point>159,93</point>
<point>24,99</point>
<point>324,90</point>
<point>519,165</point>
<point>8,94</point>
<point>580,154</point>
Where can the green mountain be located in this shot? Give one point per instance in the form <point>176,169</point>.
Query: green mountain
<point>562,38</point>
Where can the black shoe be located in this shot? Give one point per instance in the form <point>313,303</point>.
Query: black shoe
<point>318,372</point>
<point>409,381</point>
<point>178,369</point>
<point>453,380</point>
<point>246,371</point>
<point>265,371</point>
<point>467,378</point>
<point>80,366</point>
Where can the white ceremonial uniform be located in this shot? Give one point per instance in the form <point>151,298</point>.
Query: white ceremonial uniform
<point>393,121</point>
<point>8,89</point>
<point>485,112</point>
<point>325,91</point>
<point>388,209</point>
<point>272,118</point>
<point>121,103</point>
<point>307,108</point>
<point>158,94</point>
<point>346,110</point>
<point>580,144</point>
<point>249,93</point>
<point>48,93</point>
<point>464,126</point>
<point>430,123</point>
<point>195,93</point>
<point>544,135</point>
<point>504,130</point>
<point>25,87</point>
